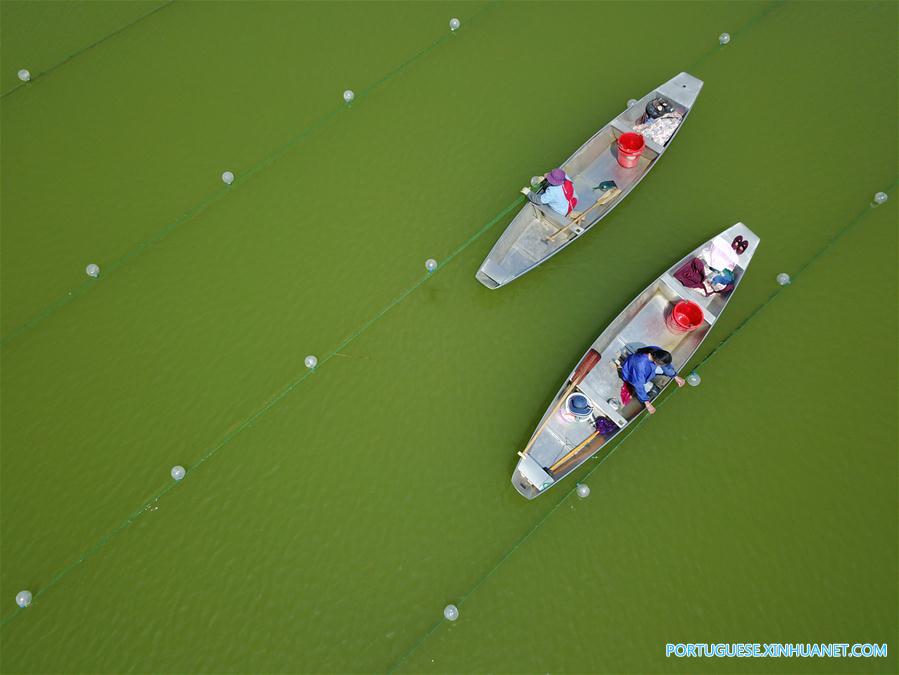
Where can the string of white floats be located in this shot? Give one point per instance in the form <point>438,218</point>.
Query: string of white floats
<point>178,472</point>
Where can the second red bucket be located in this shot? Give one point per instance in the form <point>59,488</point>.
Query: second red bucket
<point>630,147</point>
<point>684,317</point>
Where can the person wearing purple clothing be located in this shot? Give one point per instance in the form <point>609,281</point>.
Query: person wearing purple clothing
<point>558,194</point>
<point>639,368</point>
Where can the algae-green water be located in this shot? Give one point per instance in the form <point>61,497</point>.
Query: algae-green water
<point>327,517</point>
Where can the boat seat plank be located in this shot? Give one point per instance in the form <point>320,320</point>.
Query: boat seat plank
<point>652,145</point>
<point>495,271</point>
<point>533,472</point>
<point>648,326</point>
<point>601,389</point>
<point>622,127</point>
<point>606,167</point>
<point>693,296</point>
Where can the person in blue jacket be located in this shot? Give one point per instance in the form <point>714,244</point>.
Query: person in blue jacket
<point>639,368</point>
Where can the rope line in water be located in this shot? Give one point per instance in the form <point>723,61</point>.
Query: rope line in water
<point>769,8</point>
<point>802,268</point>
<point>277,398</point>
<point>284,392</point>
<point>221,191</point>
<point>773,5</point>
<point>632,428</point>
<point>87,48</point>
<point>81,289</point>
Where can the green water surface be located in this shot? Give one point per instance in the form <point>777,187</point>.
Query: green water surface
<point>328,517</point>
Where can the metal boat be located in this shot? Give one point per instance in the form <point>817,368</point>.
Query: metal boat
<point>537,232</point>
<point>566,437</point>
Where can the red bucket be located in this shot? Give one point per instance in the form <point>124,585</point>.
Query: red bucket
<point>630,147</point>
<point>684,317</point>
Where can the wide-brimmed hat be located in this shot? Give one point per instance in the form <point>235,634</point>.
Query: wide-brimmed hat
<point>579,405</point>
<point>555,177</point>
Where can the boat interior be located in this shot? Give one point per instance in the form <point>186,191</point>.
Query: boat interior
<point>537,231</point>
<point>564,441</point>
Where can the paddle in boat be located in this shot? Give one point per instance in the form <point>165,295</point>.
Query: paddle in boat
<point>676,312</point>
<point>538,232</point>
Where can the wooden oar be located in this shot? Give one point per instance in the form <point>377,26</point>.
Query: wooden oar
<point>584,367</point>
<point>607,196</point>
<point>573,452</point>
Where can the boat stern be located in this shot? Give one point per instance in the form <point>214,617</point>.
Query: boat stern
<point>486,279</point>
<point>492,274</point>
<point>530,479</point>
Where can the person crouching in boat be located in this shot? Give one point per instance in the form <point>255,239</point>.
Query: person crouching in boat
<point>557,195</point>
<point>639,368</point>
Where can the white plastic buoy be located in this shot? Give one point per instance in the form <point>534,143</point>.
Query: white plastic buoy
<point>92,270</point>
<point>23,598</point>
<point>783,278</point>
<point>227,178</point>
<point>724,38</point>
<point>178,472</point>
<point>430,264</point>
<point>583,491</point>
<point>455,24</point>
<point>450,612</point>
<point>310,361</point>
<point>631,102</point>
<point>693,379</point>
<point>880,198</point>
<point>24,75</point>
<point>348,96</point>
